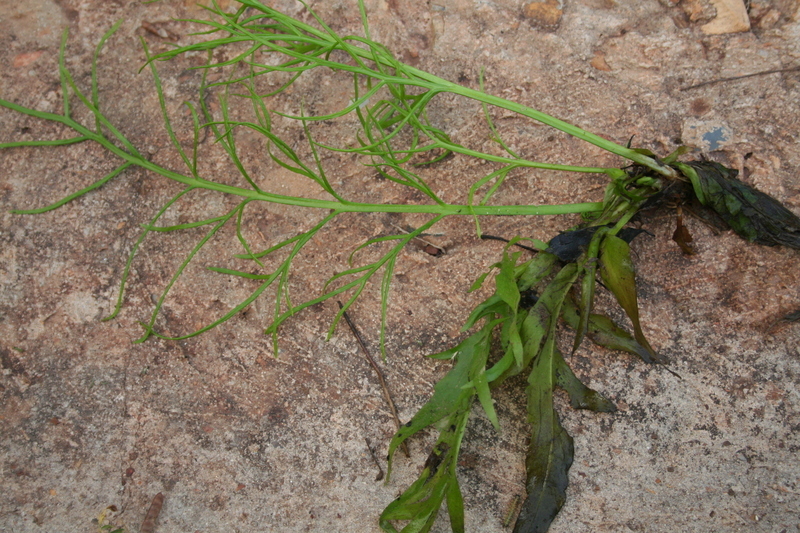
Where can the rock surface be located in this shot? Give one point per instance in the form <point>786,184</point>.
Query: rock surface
<point>93,426</point>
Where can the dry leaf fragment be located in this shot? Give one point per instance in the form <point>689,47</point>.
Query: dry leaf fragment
<point>26,59</point>
<point>149,523</point>
<point>599,61</point>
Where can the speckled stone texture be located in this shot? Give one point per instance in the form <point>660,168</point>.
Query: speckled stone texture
<point>238,440</point>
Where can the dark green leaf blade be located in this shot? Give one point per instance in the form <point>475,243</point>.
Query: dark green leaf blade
<point>449,393</point>
<point>506,288</point>
<point>531,273</point>
<point>588,284</point>
<point>618,275</point>
<point>550,452</point>
<point>540,321</point>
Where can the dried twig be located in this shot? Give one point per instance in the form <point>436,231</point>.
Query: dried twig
<point>409,229</point>
<point>734,78</point>
<point>160,32</point>
<point>502,239</point>
<point>377,369</point>
<point>375,459</point>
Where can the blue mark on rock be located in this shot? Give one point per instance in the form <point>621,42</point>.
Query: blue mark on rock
<point>716,137</point>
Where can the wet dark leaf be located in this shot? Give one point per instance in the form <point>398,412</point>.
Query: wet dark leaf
<point>570,245</point>
<point>752,214</point>
<point>528,298</point>
<point>792,317</point>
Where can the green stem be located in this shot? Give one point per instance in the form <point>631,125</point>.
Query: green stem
<point>343,207</point>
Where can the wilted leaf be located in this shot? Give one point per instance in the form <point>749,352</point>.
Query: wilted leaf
<point>580,396</point>
<point>752,214</point>
<point>618,275</point>
<point>682,237</point>
<point>570,245</point>
<point>605,333</point>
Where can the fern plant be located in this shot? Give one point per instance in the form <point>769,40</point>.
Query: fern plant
<point>388,106</point>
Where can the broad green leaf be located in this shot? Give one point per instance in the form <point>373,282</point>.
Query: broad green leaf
<point>550,450</point>
<point>449,394</point>
<point>534,271</point>
<point>588,285</point>
<point>478,283</point>
<point>540,321</point>
<point>455,507</point>
<point>494,305</point>
<point>671,158</point>
<point>481,385</point>
<point>688,171</point>
<point>618,275</point>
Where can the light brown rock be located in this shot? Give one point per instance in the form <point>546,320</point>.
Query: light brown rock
<point>544,14</point>
<point>731,18</point>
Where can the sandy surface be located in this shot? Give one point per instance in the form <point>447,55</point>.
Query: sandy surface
<point>238,440</point>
